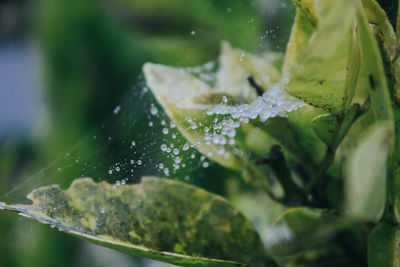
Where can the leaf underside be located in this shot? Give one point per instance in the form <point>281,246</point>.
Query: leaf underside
<point>159,219</point>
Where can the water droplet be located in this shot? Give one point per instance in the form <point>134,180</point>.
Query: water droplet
<point>178,160</point>
<point>117,109</point>
<point>185,147</point>
<point>166,171</point>
<point>153,110</point>
<point>242,55</point>
<point>165,131</point>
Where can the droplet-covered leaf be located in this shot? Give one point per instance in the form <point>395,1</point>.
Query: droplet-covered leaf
<point>185,99</point>
<point>365,174</point>
<point>325,70</point>
<point>160,219</point>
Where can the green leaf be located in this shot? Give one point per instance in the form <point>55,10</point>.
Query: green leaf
<point>365,174</point>
<point>296,135</point>
<point>325,126</point>
<point>160,219</point>
<point>325,72</point>
<point>384,246</point>
<point>300,229</point>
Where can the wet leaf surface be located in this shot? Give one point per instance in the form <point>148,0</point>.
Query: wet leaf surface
<point>160,219</point>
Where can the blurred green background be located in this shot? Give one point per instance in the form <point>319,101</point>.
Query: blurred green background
<point>65,65</point>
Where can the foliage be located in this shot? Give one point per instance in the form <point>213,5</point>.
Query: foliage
<point>318,133</point>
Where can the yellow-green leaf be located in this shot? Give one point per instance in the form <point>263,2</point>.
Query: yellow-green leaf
<point>365,173</point>
<point>160,219</point>
<point>325,71</point>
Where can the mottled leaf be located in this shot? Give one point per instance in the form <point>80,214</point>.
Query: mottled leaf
<point>365,174</point>
<point>160,219</point>
<point>327,67</point>
<point>384,246</point>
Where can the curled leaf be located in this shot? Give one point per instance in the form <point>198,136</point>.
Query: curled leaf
<point>158,218</point>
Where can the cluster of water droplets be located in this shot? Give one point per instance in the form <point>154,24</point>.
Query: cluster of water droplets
<point>275,102</point>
